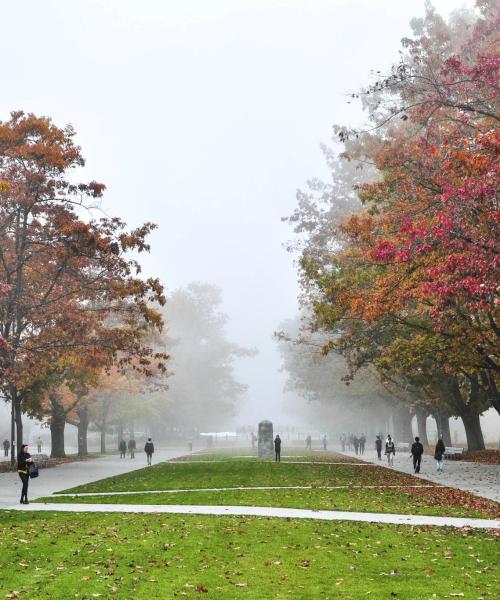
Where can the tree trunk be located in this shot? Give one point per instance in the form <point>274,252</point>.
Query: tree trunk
<point>120,433</point>
<point>103,440</point>
<point>83,425</point>
<point>421,414</point>
<point>402,424</point>
<point>18,416</point>
<point>473,432</point>
<point>445,430</point>
<point>57,425</point>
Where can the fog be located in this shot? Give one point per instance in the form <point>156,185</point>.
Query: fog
<point>205,117</point>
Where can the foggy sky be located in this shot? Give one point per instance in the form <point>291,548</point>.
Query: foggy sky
<point>205,117</point>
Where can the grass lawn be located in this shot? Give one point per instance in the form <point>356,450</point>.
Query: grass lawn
<point>121,557</point>
<point>219,472</point>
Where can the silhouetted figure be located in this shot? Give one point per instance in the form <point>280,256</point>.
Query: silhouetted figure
<point>355,441</point>
<point>417,450</point>
<point>122,447</point>
<point>23,462</point>
<point>149,449</point>
<point>254,439</point>
<point>342,442</point>
<point>308,443</point>
<point>439,453</point>
<point>6,446</point>
<point>277,448</point>
<point>39,445</point>
<point>390,450</point>
<point>324,442</point>
<point>131,448</point>
<point>362,443</point>
<point>378,446</point>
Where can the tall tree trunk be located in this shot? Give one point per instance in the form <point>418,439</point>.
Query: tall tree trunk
<point>57,425</point>
<point>83,425</point>
<point>402,424</point>
<point>103,440</point>
<point>120,433</point>
<point>18,417</point>
<point>473,431</point>
<point>445,430</point>
<point>421,414</point>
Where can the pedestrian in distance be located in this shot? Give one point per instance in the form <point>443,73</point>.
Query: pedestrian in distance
<point>6,446</point>
<point>149,449</point>
<point>390,450</point>
<point>342,442</point>
<point>24,461</point>
<point>131,448</point>
<point>356,444</point>
<point>439,453</point>
<point>254,439</point>
<point>324,442</point>
<point>122,447</point>
<point>277,448</point>
<point>39,445</point>
<point>378,447</point>
<point>362,444</point>
<point>416,451</point>
<point>308,443</point>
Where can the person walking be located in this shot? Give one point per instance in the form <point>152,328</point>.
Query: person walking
<point>378,447</point>
<point>39,445</point>
<point>131,448</point>
<point>324,442</point>
<point>417,450</point>
<point>390,450</point>
<point>308,442</point>
<point>149,449</point>
<point>122,447</point>
<point>362,444</point>
<point>6,446</point>
<point>356,444</point>
<point>277,448</point>
<point>439,453</point>
<point>23,461</point>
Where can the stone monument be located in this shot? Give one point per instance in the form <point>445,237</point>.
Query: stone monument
<point>266,441</point>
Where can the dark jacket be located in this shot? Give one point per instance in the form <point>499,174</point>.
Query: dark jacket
<point>277,444</point>
<point>417,449</point>
<point>122,446</point>
<point>22,462</point>
<point>131,444</point>
<point>439,451</point>
<point>149,448</point>
<point>378,444</point>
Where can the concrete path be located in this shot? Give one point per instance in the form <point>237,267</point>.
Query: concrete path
<point>482,480</point>
<point>267,511</point>
<point>68,475</point>
<point>245,489</point>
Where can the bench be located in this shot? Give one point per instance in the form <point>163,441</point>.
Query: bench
<point>402,446</point>
<point>452,452</point>
<point>40,460</point>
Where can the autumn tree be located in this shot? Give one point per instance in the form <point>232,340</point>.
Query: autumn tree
<point>68,283</point>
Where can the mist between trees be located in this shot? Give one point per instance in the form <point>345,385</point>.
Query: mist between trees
<point>398,253</point>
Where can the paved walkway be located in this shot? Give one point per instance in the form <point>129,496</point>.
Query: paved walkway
<point>68,475</point>
<point>245,489</point>
<point>267,511</point>
<point>482,480</point>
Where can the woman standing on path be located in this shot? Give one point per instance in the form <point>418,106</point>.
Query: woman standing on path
<point>390,450</point>
<point>23,462</point>
<point>439,455</point>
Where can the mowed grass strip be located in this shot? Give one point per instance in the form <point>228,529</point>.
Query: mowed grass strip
<point>383,500</point>
<point>118,557</point>
<point>242,472</point>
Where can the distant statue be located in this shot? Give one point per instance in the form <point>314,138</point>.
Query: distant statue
<point>265,439</point>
